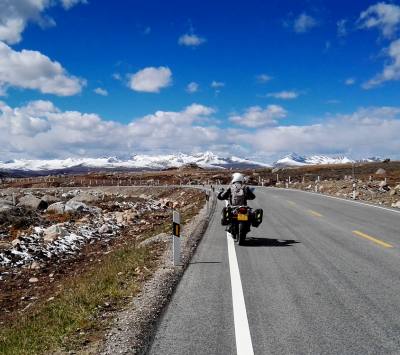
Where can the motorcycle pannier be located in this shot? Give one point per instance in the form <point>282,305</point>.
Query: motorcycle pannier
<point>226,216</point>
<point>257,217</point>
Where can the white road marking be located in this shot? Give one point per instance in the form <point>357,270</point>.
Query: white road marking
<point>340,199</point>
<point>244,345</point>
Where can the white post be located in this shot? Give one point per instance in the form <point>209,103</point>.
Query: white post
<point>176,241</point>
<point>13,199</point>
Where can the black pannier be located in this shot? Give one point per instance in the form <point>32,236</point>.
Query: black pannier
<point>226,216</point>
<point>257,217</point>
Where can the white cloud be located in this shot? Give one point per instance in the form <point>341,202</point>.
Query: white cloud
<point>192,87</point>
<point>391,71</point>
<point>191,40</point>
<point>217,84</point>
<point>41,130</point>
<point>341,28</point>
<point>303,23</point>
<point>101,91</point>
<point>32,70</point>
<point>284,95</point>
<point>256,116</point>
<point>117,76</point>
<point>151,79</point>
<point>67,4</point>
<point>385,17</point>
<point>16,14</point>
<point>366,132</point>
<point>350,81</point>
<point>263,78</point>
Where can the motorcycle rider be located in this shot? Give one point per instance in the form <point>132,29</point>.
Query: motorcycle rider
<point>238,193</point>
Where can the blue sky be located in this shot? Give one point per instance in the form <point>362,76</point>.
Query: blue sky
<point>268,77</point>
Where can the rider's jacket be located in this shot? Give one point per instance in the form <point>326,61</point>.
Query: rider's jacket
<point>237,194</point>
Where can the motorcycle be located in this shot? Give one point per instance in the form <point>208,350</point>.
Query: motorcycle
<point>240,218</point>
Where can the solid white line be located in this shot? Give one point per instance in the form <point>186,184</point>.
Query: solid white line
<point>244,345</point>
<point>339,198</point>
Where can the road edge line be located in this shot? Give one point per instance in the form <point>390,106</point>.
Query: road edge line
<point>244,346</point>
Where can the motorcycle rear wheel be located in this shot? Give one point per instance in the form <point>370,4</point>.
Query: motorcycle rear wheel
<point>241,238</point>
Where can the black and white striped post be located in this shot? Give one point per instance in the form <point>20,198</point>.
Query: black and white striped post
<point>176,240</point>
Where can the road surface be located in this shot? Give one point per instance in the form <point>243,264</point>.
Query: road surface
<point>319,276</point>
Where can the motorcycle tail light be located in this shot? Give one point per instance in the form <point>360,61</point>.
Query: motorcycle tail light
<point>243,210</point>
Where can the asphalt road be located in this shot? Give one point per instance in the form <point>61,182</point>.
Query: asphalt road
<point>319,276</point>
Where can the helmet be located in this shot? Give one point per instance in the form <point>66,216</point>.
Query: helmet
<point>237,177</point>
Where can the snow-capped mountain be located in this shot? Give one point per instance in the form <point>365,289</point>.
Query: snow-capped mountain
<point>136,162</point>
<point>294,159</point>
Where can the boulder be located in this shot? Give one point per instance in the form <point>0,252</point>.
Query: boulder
<point>50,199</point>
<point>54,232</point>
<point>75,206</point>
<point>5,245</point>
<point>380,171</point>
<point>5,205</point>
<point>382,184</point>
<point>396,204</point>
<point>393,192</point>
<point>32,202</point>
<point>57,208</point>
<point>87,197</point>
<point>105,228</point>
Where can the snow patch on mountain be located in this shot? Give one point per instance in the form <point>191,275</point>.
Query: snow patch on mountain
<point>294,159</point>
<point>137,162</point>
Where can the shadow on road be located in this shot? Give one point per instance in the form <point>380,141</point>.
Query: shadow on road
<point>267,242</point>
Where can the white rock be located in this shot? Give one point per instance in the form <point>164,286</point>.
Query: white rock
<point>57,208</point>
<point>75,206</point>
<point>54,232</point>
<point>396,204</point>
<point>105,228</point>
<point>33,280</point>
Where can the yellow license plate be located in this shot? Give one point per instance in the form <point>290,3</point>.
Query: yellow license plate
<point>242,217</point>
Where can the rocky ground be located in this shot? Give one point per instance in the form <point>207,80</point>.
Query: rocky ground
<point>48,234</point>
<point>376,188</point>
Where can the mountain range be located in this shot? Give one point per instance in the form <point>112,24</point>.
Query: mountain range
<point>206,160</point>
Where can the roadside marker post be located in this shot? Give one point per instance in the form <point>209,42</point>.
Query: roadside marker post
<point>176,240</point>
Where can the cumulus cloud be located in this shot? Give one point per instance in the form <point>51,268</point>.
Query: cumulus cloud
<point>32,70</point>
<point>383,16</point>
<point>16,14</point>
<point>303,23</point>
<point>256,116</point>
<point>284,95</point>
<point>151,79</point>
<point>368,131</point>
<point>191,40</point>
<point>101,91</point>
<point>391,70</point>
<point>192,87</point>
<point>41,130</point>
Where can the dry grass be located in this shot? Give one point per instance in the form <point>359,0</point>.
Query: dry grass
<point>60,323</point>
